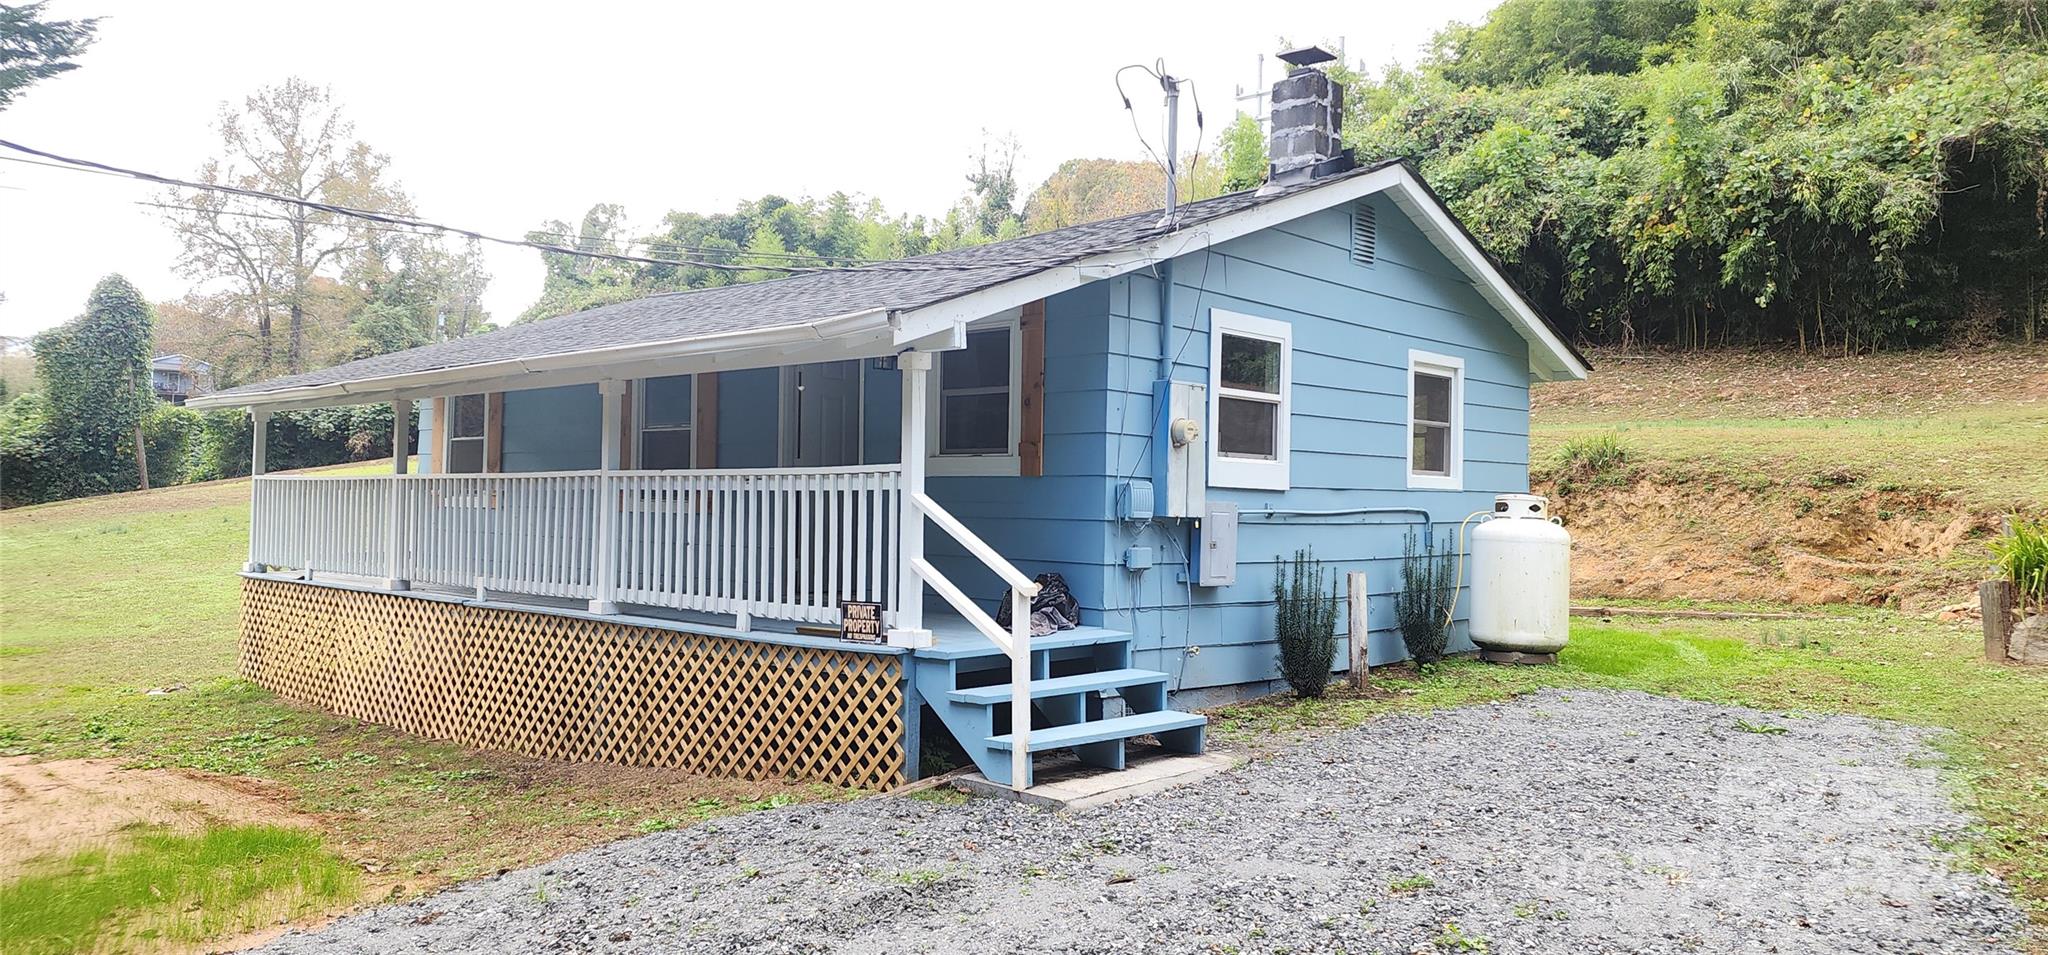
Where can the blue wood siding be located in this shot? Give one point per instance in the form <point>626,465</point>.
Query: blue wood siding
<point>748,403</point>
<point>1353,326</point>
<point>552,429</point>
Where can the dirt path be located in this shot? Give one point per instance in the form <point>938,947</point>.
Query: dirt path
<point>1562,822</point>
<point>62,806</point>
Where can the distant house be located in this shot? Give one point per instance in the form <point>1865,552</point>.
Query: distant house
<point>176,378</point>
<point>634,530</point>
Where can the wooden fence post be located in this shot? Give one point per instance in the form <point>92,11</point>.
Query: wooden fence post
<point>1994,599</point>
<point>1355,616</point>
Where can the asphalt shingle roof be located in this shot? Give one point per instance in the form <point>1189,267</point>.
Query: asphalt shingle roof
<point>798,300</point>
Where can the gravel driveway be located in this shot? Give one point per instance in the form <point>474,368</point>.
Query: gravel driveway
<point>1561,822</point>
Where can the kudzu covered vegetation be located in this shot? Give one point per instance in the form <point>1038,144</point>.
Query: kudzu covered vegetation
<point>1839,174</point>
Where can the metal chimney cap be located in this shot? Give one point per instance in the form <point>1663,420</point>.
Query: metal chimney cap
<point>1307,56</point>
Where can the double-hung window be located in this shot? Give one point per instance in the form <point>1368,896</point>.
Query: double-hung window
<point>976,411</point>
<point>465,444</point>
<point>1436,421</point>
<point>665,431</point>
<point>1251,371</point>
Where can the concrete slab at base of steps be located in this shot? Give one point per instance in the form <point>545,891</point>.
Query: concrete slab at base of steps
<point>1064,785</point>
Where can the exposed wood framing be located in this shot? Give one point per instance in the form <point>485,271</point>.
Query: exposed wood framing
<point>626,435</point>
<point>572,688</point>
<point>1031,439</point>
<point>494,432</point>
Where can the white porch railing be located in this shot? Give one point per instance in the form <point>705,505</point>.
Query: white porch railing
<point>785,544</point>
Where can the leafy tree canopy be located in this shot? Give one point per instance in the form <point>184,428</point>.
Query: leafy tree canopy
<point>33,49</point>
<point>1841,173</point>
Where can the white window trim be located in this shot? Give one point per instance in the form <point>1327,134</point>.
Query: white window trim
<point>983,465</point>
<point>1452,367</point>
<point>639,423</point>
<point>1227,471</point>
<point>447,440</point>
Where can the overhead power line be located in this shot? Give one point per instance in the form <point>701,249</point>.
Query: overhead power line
<point>404,222</point>
<point>369,216</point>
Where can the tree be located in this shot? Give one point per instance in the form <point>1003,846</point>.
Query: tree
<point>33,49</point>
<point>290,140</point>
<point>95,374</point>
<point>1243,145</point>
<point>1844,175</point>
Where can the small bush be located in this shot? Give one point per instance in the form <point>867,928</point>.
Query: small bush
<point>1305,621</point>
<point>1423,607</point>
<point>2022,555</point>
<point>1593,458</point>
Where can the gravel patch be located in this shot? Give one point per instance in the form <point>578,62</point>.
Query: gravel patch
<point>1567,822</point>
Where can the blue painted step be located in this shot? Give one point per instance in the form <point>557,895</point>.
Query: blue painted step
<point>1060,686</point>
<point>1103,731</point>
<point>1066,710</point>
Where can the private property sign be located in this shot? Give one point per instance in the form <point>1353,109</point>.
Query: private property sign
<point>860,621</point>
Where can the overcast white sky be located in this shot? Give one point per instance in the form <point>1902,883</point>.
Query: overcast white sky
<point>497,117</point>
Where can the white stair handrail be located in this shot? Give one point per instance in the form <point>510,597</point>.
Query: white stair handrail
<point>1017,643</point>
<point>975,545</point>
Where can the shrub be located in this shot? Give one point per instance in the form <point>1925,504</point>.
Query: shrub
<point>171,435</point>
<point>298,439</point>
<point>1423,607</point>
<point>1591,459</point>
<point>2022,555</point>
<point>1305,621</point>
<point>28,456</point>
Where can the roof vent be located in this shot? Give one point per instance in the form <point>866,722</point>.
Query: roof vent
<point>1365,234</point>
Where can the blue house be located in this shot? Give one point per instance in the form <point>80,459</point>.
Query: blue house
<point>658,532</point>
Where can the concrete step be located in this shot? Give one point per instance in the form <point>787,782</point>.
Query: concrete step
<point>1101,731</point>
<point>1060,686</point>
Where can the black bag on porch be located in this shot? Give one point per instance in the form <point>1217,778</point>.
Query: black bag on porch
<point>1052,610</point>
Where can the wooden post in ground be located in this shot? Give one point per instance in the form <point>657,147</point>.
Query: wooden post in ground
<point>1355,615</point>
<point>1994,598</point>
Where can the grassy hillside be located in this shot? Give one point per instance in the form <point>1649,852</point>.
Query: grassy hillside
<point>1777,477</point>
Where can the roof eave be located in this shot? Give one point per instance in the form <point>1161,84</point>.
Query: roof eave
<point>583,365</point>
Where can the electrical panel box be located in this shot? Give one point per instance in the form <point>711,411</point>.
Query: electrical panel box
<point>1180,447</point>
<point>1216,545</point>
<point>1134,501</point>
<point>1137,558</point>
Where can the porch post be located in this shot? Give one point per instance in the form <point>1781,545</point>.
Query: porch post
<point>259,455</point>
<point>909,630</point>
<point>605,562</point>
<point>395,576</point>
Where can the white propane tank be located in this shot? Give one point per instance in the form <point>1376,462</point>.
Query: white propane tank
<point>1521,582</point>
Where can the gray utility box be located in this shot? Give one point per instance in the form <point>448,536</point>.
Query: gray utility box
<point>1180,448</point>
<point>1216,545</point>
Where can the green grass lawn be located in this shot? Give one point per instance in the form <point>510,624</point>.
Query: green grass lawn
<point>109,598</point>
<point>167,887</point>
<point>1868,662</point>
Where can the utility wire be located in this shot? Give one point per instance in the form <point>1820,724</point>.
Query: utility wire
<point>367,215</point>
<point>411,222</point>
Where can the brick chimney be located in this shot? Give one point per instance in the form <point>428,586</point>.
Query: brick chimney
<point>1308,118</point>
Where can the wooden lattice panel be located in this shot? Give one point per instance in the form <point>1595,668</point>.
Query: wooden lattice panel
<point>577,689</point>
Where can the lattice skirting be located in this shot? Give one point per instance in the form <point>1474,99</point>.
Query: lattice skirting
<point>571,688</point>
